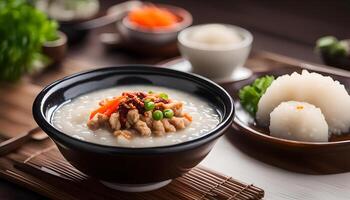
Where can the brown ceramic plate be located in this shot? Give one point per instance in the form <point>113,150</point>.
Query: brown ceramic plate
<point>332,154</point>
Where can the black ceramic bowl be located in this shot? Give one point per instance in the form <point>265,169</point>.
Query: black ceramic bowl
<point>132,165</point>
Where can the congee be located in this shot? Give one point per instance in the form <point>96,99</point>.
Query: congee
<point>136,116</point>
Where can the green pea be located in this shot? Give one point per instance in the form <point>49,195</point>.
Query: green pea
<point>164,96</point>
<point>168,113</point>
<point>149,105</point>
<point>157,115</point>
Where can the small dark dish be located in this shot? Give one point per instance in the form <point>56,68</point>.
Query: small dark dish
<point>76,31</point>
<point>75,27</point>
<point>160,41</point>
<point>56,50</point>
<point>159,36</point>
<point>132,165</point>
<point>306,157</point>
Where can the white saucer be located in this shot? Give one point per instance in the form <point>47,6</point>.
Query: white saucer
<point>136,187</point>
<point>240,73</point>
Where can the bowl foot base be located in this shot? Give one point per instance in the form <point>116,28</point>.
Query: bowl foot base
<point>136,187</point>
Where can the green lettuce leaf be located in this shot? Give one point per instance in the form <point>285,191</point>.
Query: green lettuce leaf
<point>250,95</point>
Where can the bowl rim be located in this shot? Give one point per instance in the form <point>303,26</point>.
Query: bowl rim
<point>184,41</point>
<point>58,136</point>
<point>186,21</point>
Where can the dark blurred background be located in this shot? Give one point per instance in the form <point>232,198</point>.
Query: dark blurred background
<point>288,27</point>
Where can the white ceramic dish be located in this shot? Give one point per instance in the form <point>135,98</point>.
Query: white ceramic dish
<point>216,62</point>
<point>180,64</point>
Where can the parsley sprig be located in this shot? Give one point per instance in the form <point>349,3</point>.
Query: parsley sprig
<point>23,31</point>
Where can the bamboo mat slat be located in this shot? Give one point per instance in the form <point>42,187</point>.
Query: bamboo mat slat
<point>47,172</point>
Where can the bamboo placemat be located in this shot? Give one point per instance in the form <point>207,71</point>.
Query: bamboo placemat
<point>45,171</point>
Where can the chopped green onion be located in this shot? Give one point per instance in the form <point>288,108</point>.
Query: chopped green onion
<point>147,100</point>
<point>164,96</point>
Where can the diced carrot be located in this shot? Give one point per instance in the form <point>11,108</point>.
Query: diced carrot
<point>152,17</point>
<point>188,117</point>
<point>108,107</point>
<point>101,109</point>
<point>112,108</point>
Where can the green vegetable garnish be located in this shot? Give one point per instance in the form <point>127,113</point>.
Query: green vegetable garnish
<point>325,43</point>
<point>149,105</point>
<point>23,31</point>
<point>331,46</point>
<point>339,49</point>
<point>164,96</point>
<point>168,113</point>
<point>150,92</point>
<point>157,115</point>
<point>250,95</point>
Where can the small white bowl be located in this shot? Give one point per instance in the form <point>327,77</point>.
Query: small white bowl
<point>216,61</point>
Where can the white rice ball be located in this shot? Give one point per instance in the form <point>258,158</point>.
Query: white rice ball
<point>322,91</point>
<point>299,121</point>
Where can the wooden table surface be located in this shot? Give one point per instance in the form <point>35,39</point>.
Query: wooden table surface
<point>286,28</point>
